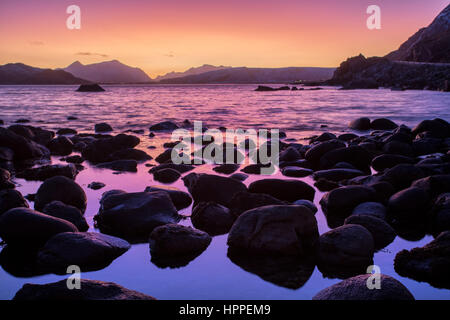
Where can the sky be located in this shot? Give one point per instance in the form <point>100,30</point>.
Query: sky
<point>160,36</point>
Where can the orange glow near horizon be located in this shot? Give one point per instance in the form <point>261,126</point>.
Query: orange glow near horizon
<point>163,36</point>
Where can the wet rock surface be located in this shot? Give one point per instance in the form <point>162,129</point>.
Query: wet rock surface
<point>212,218</point>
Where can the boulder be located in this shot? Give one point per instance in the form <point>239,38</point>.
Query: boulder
<point>164,126</point>
<point>166,175</point>
<point>290,154</point>
<point>130,154</point>
<point>28,228</point>
<point>399,148</point>
<point>6,154</point>
<point>286,190</point>
<point>179,198</point>
<point>296,172</point>
<point>362,124</point>
<point>345,251</point>
<point>275,230</point>
<point>227,168</point>
<point>60,146</point>
<point>10,198</point>
<point>90,290</point>
<point>66,131</point>
<point>383,234</point>
<point>314,154</point>
<point>339,203</point>
<point>174,246</point>
<point>120,165</point>
<point>60,210</point>
<point>308,204</point>
<point>181,168</point>
<point>73,159</point>
<point>90,88</point>
<point>357,156</point>
<point>212,218</point>
<point>23,148</point>
<point>387,161</point>
<point>434,185</point>
<point>96,185</point>
<point>243,201</point>
<point>205,188</point>
<point>374,209</point>
<point>409,203</point>
<point>356,288</point>
<point>325,185</point>
<point>5,180</point>
<point>347,136</point>
<point>429,263</point>
<point>383,124</point>
<point>437,128</point>
<point>337,175</point>
<point>440,214</point>
<point>87,250</point>
<point>45,172</point>
<point>133,216</point>
<point>100,150</point>
<point>103,127</point>
<point>62,189</point>
<point>402,175</point>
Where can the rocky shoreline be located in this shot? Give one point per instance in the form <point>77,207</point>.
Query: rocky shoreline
<point>386,181</point>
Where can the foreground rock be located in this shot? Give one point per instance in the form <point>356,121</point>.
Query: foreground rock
<point>164,126</point>
<point>103,127</point>
<point>100,150</point>
<point>23,148</point>
<point>166,175</point>
<point>120,165</point>
<point>286,190</point>
<point>174,246</point>
<point>244,201</point>
<point>205,188</point>
<point>10,199</point>
<point>133,216</point>
<point>29,228</point>
<point>383,234</point>
<point>276,230</point>
<point>90,290</point>
<point>45,172</point>
<point>61,189</point>
<point>345,251</point>
<point>179,198</point>
<point>96,185</point>
<point>90,88</point>
<point>5,180</point>
<point>90,251</point>
<point>60,210</point>
<point>362,124</point>
<point>212,218</point>
<point>356,289</point>
<point>430,263</point>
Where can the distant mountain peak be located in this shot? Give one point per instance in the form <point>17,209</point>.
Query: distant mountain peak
<point>191,71</point>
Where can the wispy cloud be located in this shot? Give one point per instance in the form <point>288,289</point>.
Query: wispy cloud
<point>91,54</point>
<point>36,43</point>
<point>169,55</point>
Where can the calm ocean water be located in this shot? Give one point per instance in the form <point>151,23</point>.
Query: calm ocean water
<point>300,113</point>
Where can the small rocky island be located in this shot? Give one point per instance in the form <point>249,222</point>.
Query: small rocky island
<point>90,88</point>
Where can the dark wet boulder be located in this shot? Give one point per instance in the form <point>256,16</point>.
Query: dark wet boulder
<point>60,146</point>
<point>326,136</point>
<point>383,234</point>
<point>60,210</point>
<point>339,203</point>
<point>325,185</point>
<point>361,124</point>
<point>119,165</point>
<point>239,176</point>
<point>286,190</point>
<point>374,209</point>
<point>45,172</point>
<point>165,156</point>
<point>383,189</point>
<point>402,175</point>
<point>347,136</point>
<point>314,154</point>
<point>62,189</point>
<point>387,161</point>
<point>430,263</point>
<point>76,159</point>
<point>398,137</point>
<point>87,250</point>
<point>212,218</point>
<point>164,126</point>
<point>9,199</point>
<point>23,148</point>
<point>243,201</point>
<point>96,185</point>
<point>29,228</point>
<point>278,230</point>
<point>345,251</point>
<point>400,148</point>
<point>66,131</point>
<point>259,168</point>
<point>130,154</point>
<point>103,127</point>
<point>437,128</point>
<point>181,168</point>
<point>383,124</point>
<point>90,88</point>
<point>206,187</point>
<point>308,204</point>
<point>440,214</point>
<point>133,216</point>
<point>337,175</point>
<point>290,154</point>
<point>356,288</point>
<point>6,154</point>
<point>425,146</point>
<point>166,175</point>
<point>227,168</point>
<point>90,290</point>
<point>357,156</point>
<point>434,185</point>
<point>5,180</point>
<point>175,246</point>
<point>409,203</point>
<point>100,150</point>
<point>179,198</point>
<point>296,172</point>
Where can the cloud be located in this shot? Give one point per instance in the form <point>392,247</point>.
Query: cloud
<point>169,55</point>
<point>36,43</point>
<point>91,54</point>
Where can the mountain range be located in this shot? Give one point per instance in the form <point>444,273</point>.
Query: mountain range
<point>190,72</point>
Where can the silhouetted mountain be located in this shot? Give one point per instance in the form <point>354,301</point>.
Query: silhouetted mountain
<point>19,73</point>
<point>257,75</point>
<point>430,44</point>
<point>192,71</point>
<point>108,72</point>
